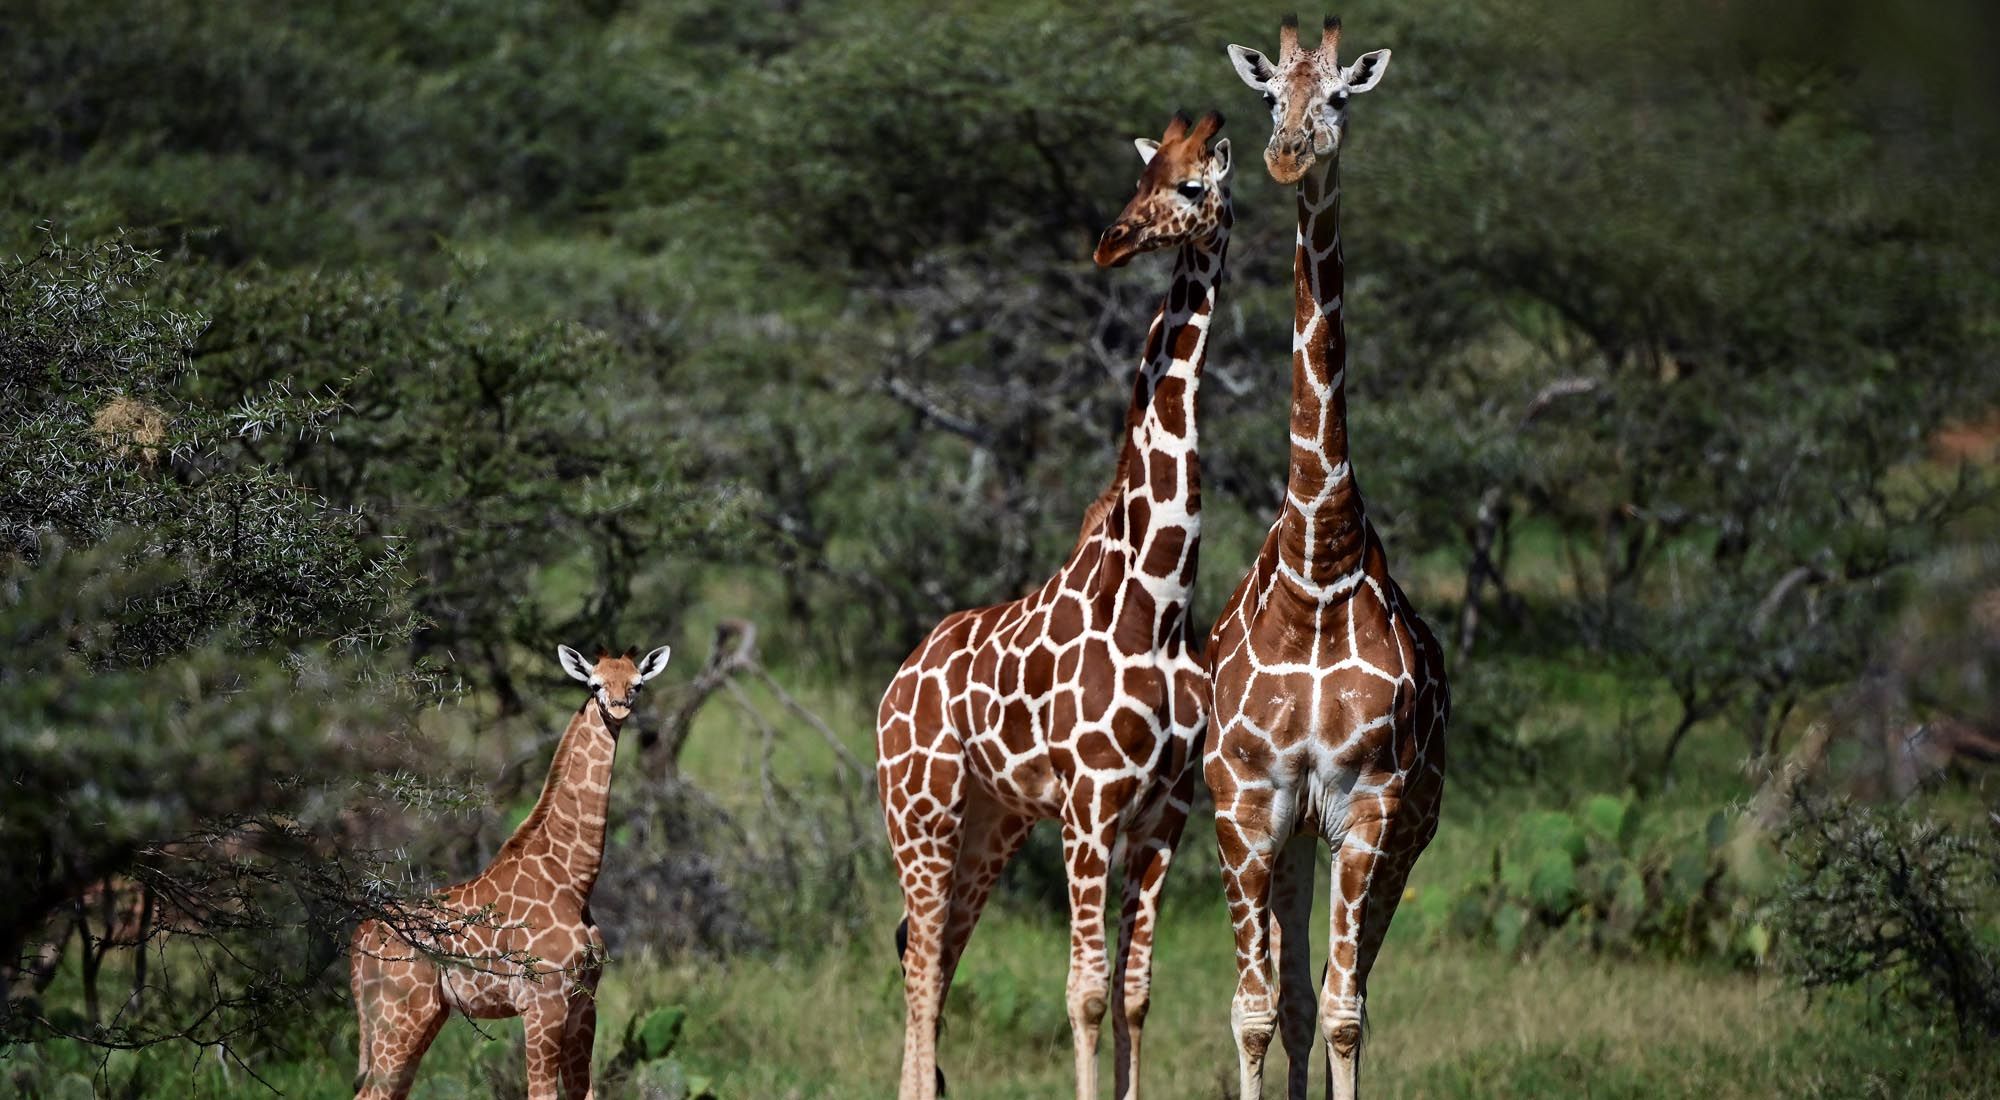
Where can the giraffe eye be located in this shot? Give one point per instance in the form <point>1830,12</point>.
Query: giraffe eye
<point>1270,100</point>
<point>1192,191</point>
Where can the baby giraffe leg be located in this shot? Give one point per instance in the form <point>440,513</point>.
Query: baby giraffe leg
<point>580,1039</point>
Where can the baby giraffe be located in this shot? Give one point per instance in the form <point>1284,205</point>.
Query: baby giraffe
<point>517,940</point>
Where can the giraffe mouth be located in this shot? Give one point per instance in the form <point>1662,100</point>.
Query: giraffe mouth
<point>1117,246</point>
<point>1289,166</point>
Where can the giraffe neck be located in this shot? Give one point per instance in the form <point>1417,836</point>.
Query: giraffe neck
<point>1324,528</point>
<point>565,831</point>
<point>1157,516</point>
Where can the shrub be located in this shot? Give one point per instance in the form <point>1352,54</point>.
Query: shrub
<point>1597,878</point>
<point>1900,903</point>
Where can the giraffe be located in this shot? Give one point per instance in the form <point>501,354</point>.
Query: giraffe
<point>519,939</point>
<point>1329,691</point>
<point>1083,702</point>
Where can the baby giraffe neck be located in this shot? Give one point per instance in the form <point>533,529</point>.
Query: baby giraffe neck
<point>567,826</point>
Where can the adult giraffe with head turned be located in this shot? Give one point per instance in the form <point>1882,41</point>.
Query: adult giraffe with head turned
<point>1329,692</point>
<point>517,940</point>
<point>1084,701</point>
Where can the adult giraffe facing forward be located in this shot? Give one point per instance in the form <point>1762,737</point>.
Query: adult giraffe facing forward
<point>1083,702</point>
<point>525,944</point>
<point>1329,692</point>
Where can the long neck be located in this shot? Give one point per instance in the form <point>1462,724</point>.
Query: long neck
<point>567,824</point>
<point>1156,518</point>
<point>1324,532</point>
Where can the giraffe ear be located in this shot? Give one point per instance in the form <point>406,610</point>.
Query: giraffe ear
<point>654,663</point>
<point>1252,66</point>
<point>1219,156</point>
<point>1147,148</point>
<point>573,663</point>
<point>1366,71</point>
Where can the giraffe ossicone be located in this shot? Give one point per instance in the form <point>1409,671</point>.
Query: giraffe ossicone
<point>1329,692</point>
<point>1084,701</point>
<point>518,939</point>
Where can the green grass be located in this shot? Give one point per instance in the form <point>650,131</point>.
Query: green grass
<point>820,1015</point>
<point>1447,1020</point>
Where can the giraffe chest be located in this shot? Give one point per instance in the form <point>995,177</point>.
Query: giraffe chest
<point>1103,715</point>
<point>524,947</point>
<point>1332,705</point>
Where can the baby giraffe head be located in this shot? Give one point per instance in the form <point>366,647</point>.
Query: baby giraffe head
<point>1307,91</point>
<point>1183,193</point>
<point>614,681</point>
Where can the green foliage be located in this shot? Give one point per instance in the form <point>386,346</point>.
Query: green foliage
<point>1599,879</point>
<point>98,432</point>
<point>522,469</point>
<point>647,1067</point>
<point>653,1035</point>
<point>1900,904</point>
<point>209,782</point>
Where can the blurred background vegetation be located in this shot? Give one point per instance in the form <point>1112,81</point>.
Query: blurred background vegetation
<point>352,356</point>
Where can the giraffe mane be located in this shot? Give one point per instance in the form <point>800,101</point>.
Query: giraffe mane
<point>558,768</point>
<point>1094,513</point>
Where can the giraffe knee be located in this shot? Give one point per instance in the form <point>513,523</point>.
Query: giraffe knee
<point>1342,1027</point>
<point>1255,1024</point>
<point>1087,1004</point>
<point>1344,1038</point>
<point>1136,1006</point>
<point>1091,1009</point>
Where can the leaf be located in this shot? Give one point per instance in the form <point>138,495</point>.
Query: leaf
<point>1553,886</point>
<point>1604,818</point>
<point>1509,924</point>
<point>660,1032</point>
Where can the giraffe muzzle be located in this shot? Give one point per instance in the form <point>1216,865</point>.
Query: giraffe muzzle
<point>1117,246</point>
<point>1288,159</point>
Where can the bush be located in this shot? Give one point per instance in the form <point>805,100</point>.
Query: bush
<point>1596,878</point>
<point>1904,905</point>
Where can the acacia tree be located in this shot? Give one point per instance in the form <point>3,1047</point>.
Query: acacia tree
<point>185,704</point>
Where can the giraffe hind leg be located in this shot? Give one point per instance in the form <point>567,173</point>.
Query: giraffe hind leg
<point>1146,862</point>
<point>902,950</point>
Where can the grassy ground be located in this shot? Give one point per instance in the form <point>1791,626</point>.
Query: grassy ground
<point>1448,1020</point>
<point>820,1016</point>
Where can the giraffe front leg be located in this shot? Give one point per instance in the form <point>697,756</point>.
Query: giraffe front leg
<point>1087,855</point>
<point>1146,862</point>
<point>545,1018</point>
<point>1247,850</point>
<point>1358,915</point>
<point>1291,958</point>
<point>401,1009</point>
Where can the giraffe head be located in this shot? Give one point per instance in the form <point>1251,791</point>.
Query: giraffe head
<point>614,681</point>
<point>1307,91</point>
<point>1183,193</point>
